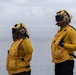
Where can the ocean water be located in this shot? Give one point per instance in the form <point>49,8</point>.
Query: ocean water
<point>41,62</point>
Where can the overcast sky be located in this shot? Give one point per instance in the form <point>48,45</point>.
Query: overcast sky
<point>33,13</point>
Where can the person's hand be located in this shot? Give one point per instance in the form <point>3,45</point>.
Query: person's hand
<point>61,43</point>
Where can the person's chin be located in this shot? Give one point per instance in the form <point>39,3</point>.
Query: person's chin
<point>58,24</point>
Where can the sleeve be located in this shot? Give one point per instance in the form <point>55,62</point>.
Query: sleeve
<point>72,36</point>
<point>27,46</point>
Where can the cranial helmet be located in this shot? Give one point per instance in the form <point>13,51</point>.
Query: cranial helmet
<point>20,29</point>
<point>63,15</point>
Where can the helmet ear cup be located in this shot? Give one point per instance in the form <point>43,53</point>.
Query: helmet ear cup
<point>66,18</point>
<point>22,31</point>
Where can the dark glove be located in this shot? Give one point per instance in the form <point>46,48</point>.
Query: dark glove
<point>61,43</point>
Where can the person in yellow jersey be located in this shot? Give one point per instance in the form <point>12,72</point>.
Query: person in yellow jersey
<point>20,52</point>
<point>63,44</point>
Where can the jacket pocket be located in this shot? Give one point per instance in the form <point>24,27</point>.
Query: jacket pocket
<point>12,64</point>
<point>59,53</point>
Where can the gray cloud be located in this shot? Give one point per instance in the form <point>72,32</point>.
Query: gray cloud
<point>33,13</point>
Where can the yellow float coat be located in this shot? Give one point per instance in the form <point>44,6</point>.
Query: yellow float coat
<point>19,56</point>
<point>61,54</point>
